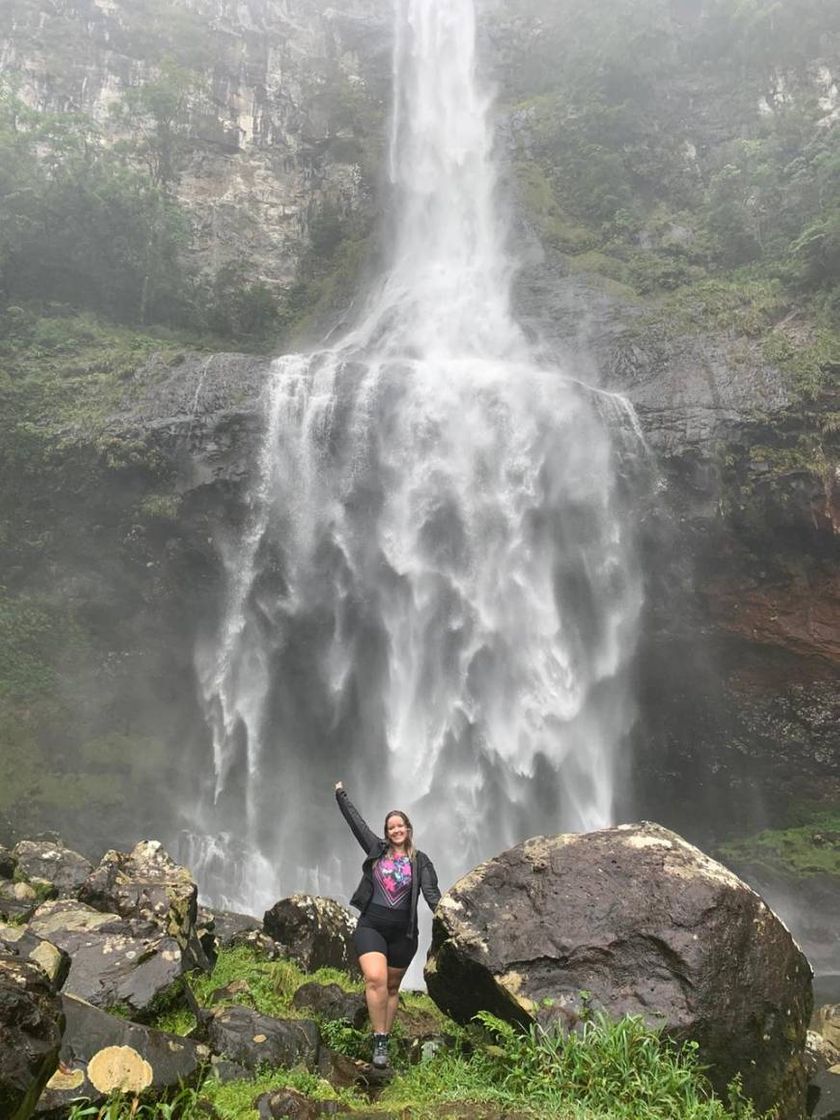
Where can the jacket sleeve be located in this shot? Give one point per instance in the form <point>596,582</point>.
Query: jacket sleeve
<point>358,826</point>
<point>429,883</point>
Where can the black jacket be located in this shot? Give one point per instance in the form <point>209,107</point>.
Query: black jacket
<point>423,878</point>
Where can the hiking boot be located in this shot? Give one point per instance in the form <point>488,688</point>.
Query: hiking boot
<point>380,1051</point>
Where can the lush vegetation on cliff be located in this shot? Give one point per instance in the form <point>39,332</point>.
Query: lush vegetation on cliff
<point>692,153</point>
<point>93,209</point>
<point>809,845</point>
<point>686,159</point>
<point>98,226</point>
<point>61,374</point>
<point>688,140</point>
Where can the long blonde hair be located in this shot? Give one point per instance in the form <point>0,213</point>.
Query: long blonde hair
<point>409,840</point>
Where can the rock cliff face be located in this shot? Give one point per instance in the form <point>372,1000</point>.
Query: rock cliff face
<point>280,99</point>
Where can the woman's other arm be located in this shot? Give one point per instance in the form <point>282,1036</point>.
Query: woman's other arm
<point>358,826</point>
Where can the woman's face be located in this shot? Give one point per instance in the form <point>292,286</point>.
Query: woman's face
<point>396,830</point>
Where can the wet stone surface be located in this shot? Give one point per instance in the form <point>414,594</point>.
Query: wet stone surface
<point>648,925</point>
<point>31,1025</point>
<point>52,862</point>
<point>114,962</point>
<point>101,1053</point>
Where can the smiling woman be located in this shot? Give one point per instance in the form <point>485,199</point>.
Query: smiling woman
<point>394,874</point>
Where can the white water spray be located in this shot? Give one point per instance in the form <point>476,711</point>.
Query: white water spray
<point>435,597</point>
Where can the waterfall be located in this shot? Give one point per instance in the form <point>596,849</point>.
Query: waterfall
<point>434,596</point>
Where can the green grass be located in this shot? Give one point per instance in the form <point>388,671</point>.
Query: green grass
<point>177,1020</point>
<point>231,1101</point>
<point>181,1106</point>
<point>610,1071</point>
<point>270,984</point>
<point>72,363</point>
<point>234,1100</point>
<point>270,988</point>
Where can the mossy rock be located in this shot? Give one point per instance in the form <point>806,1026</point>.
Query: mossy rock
<point>801,850</point>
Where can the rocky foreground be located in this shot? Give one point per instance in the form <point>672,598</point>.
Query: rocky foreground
<point>628,920</point>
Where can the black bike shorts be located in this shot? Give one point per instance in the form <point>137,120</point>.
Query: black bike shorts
<point>373,936</point>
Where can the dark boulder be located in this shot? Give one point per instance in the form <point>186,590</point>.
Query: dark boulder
<point>205,936</point>
<point>329,1001</point>
<point>8,863</point>
<point>286,1104</point>
<point>51,862</point>
<point>115,963</point>
<point>251,1039</point>
<point>20,941</point>
<point>31,1023</point>
<point>260,944</point>
<point>647,925</point>
<point>101,1054</point>
<point>225,1071</point>
<point>230,992</point>
<point>146,883</point>
<point>317,932</point>
<point>343,1072</point>
<point>227,925</point>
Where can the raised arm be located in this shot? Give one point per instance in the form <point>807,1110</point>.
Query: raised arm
<point>358,826</point>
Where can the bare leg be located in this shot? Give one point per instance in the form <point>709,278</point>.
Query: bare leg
<point>395,976</point>
<point>375,970</point>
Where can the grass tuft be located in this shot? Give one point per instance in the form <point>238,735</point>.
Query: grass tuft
<point>620,1070</point>
<point>270,984</point>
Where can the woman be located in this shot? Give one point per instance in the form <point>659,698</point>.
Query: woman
<point>394,873</point>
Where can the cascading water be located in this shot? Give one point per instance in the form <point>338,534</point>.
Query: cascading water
<point>435,597</point>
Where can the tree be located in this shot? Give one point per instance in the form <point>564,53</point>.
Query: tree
<point>157,115</point>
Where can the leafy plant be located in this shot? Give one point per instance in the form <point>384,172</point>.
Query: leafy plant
<point>183,1104</point>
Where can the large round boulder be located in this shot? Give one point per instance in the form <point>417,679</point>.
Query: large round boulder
<point>633,921</point>
<point>31,1023</point>
<point>316,932</point>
